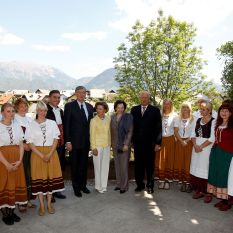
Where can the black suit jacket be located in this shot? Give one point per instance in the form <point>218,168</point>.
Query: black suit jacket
<point>147,128</point>
<point>76,126</point>
<point>50,114</point>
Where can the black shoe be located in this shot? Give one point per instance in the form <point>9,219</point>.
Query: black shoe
<point>86,190</point>
<point>59,195</point>
<point>78,194</point>
<point>53,200</point>
<point>150,190</point>
<point>116,189</point>
<point>122,191</point>
<point>8,220</point>
<point>139,189</point>
<point>15,217</point>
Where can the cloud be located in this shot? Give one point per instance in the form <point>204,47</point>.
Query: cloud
<point>204,14</point>
<point>51,48</point>
<point>84,36</point>
<point>7,38</point>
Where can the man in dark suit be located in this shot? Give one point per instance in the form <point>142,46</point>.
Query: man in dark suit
<point>56,114</point>
<point>147,137</point>
<point>77,117</point>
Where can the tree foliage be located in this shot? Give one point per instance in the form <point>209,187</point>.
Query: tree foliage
<point>225,52</point>
<point>162,59</point>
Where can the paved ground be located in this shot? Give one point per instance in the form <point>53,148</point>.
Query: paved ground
<point>163,212</point>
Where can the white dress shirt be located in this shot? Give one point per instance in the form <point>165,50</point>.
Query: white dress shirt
<point>57,113</point>
<point>84,107</point>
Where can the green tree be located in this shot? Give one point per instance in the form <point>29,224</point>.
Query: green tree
<point>162,59</point>
<point>225,52</point>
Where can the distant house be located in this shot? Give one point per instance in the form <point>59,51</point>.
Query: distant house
<point>6,98</point>
<point>34,97</point>
<point>42,91</point>
<point>97,93</point>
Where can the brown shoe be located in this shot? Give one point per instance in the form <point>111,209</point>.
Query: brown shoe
<point>51,210</point>
<point>208,198</point>
<point>224,207</point>
<point>198,195</point>
<point>219,204</point>
<point>41,211</point>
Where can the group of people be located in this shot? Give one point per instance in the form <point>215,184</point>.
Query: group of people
<point>196,151</point>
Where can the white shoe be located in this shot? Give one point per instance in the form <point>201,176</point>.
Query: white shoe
<point>99,190</point>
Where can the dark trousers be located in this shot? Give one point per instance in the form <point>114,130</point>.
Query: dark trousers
<point>61,155</point>
<point>144,162</point>
<point>78,165</point>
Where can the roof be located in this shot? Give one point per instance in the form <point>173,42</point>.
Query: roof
<point>5,98</point>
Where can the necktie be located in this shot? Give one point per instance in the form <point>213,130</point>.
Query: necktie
<point>83,112</point>
<point>143,110</point>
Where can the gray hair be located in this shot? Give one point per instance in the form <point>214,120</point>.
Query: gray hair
<point>80,88</point>
<point>41,106</point>
<point>144,92</point>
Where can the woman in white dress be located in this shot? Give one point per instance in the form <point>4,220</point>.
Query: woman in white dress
<point>42,135</point>
<point>164,163</point>
<point>21,108</point>
<point>183,125</point>
<point>203,139</point>
<point>12,180</point>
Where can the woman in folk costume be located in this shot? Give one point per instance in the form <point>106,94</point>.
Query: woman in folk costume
<point>220,158</point>
<point>203,139</point>
<point>183,125</point>
<point>164,162</point>
<point>42,135</point>
<point>100,139</point>
<point>21,108</point>
<point>12,180</point>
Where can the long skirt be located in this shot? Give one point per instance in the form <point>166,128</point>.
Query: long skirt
<point>164,161</point>
<point>12,184</point>
<point>219,165</point>
<point>46,177</point>
<point>182,161</point>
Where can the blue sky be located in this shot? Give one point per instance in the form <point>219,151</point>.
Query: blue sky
<point>81,37</point>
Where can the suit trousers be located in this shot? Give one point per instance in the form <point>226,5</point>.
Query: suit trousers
<point>61,155</point>
<point>121,161</point>
<point>79,163</point>
<point>101,168</point>
<point>144,159</point>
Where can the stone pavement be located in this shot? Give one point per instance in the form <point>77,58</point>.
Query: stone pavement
<point>166,211</point>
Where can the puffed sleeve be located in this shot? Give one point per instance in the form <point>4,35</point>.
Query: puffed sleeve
<point>193,125</point>
<point>212,136</point>
<point>176,122</point>
<point>56,131</point>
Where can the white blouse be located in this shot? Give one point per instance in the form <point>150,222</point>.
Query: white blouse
<point>185,126</point>
<point>42,134</point>
<point>10,134</point>
<point>168,125</point>
<point>22,121</point>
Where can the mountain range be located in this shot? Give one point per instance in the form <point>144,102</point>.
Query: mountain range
<point>28,76</point>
